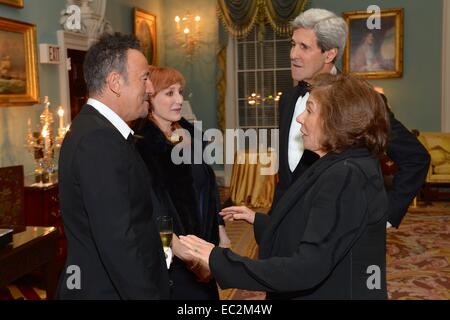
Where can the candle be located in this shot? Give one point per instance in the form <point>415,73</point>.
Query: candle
<point>61,119</point>
<point>30,133</point>
<point>177,20</point>
<point>46,139</point>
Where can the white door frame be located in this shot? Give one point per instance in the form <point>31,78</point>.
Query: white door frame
<point>68,40</point>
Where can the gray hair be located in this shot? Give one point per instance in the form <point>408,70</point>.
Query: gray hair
<point>330,29</point>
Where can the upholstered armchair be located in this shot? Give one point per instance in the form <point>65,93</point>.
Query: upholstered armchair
<point>438,146</point>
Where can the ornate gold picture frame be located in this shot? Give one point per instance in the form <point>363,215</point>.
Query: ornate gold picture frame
<point>13,3</point>
<point>145,30</point>
<point>19,81</point>
<point>374,53</point>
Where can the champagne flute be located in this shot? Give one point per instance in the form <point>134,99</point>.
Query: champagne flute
<point>165,227</point>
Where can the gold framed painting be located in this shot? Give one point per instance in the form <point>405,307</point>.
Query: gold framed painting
<point>19,81</point>
<point>145,30</point>
<point>374,50</point>
<point>14,3</point>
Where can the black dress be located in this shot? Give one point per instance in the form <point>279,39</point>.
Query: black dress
<point>187,192</point>
<point>325,238</point>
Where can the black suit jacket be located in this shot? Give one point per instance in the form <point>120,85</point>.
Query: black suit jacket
<point>324,234</point>
<point>190,193</point>
<point>404,148</point>
<point>107,213</point>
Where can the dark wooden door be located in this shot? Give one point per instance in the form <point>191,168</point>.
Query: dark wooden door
<point>78,90</point>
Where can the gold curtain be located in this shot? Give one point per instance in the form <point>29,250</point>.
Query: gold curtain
<point>239,17</point>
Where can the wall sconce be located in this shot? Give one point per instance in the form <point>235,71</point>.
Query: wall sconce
<point>188,31</point>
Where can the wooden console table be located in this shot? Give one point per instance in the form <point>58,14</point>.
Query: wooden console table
<point>31,249</point>
<point>42,209</point>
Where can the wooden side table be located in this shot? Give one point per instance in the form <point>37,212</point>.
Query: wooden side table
<point>30,249</point>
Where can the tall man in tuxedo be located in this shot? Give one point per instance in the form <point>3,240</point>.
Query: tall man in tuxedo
<point>318,41</point>
<point>114,250</point>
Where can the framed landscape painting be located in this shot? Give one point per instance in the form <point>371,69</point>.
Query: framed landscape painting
<point>19,82</point>
<point>145,31</point>
<point>14,3</point>
<point>377,52</point>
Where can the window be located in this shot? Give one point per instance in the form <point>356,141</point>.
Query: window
<point>263,71</point>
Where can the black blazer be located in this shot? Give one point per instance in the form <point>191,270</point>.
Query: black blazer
<point>404,148</point>
<point>324,234</point>
<point>107,214</point>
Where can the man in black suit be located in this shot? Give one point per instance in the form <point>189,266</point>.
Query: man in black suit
<point>318,41</point>
<point>114,250</point>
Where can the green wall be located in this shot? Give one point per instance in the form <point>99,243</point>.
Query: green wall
<point>416,97</point>
<point>200,71</point>
<point>120,14</point>
<point>13,120</point>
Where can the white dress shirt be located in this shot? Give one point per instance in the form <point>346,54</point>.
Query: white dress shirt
<point>112,117</point>
<point>295,144</point>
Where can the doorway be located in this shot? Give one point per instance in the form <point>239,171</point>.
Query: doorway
<point>77,86</point>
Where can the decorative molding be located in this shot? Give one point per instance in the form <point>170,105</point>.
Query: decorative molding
<point>68,40</point>
<point>230,98</point>
<point>445,108</point>
<point>93,25</point>
<point>92,18</point>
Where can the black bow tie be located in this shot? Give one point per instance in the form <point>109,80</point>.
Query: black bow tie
<point>303,87</point>
<point>130,138</point>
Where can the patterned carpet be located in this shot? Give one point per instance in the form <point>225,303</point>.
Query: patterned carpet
<point>418,259</point>
<point>418,255</point>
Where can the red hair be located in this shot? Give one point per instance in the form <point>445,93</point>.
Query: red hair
<point>163,78</point>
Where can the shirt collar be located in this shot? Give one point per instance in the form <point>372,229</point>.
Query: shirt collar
<point>112,117</point>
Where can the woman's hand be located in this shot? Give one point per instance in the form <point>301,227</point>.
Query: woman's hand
<point>179,250</point>
<point>197,248</point>
<point>238,213</point>
<point>224,241</point>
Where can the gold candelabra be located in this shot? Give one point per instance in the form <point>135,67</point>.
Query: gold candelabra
<point>43,143</point>
<point>255,99</point>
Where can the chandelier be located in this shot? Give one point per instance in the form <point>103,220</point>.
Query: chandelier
<point>188,32</point>
<point>255,99</point>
